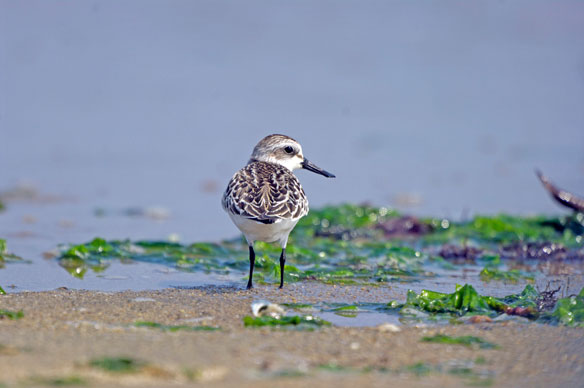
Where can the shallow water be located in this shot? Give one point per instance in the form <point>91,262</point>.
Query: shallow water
<point>363,319</point>
<point>441,111</point>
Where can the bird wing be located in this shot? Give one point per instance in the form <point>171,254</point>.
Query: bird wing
<point>266,193</point>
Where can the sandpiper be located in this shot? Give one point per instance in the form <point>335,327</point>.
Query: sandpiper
<point>265,199</point>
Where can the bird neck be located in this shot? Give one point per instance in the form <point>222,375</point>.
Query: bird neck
<point>270,161</point>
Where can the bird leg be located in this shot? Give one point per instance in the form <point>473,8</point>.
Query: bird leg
<point>251,264</point>
<point>282,263</point>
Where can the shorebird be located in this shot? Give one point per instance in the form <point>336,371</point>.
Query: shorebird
<point>265,199</point>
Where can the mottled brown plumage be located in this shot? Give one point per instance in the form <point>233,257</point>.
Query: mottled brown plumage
<point>265,192</point>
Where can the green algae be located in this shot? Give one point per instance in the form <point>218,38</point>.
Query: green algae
<point>2,292</point>
<point>289,373</point>
<point>347,311</point>
<point>174,328</point>
<point>316,252</point>
<point>505,229</point>
<point>466,300</point>
<point>442,263</point>
<point>298,306</point>
<point>465,370</point>
<point>528,298</point>
<point>320,250</point>
<point>98,253</point>
<point>6,256</point>
<point>489,273</point>
<point>463,300</point>
<point>117,364</point>
<point>65,381</point>
<point>334,368</point>
<point>491,261</point>
<point>293,320</point>
<point>568,311</point>
<point>480,360</point>
<point>419,369</point>
<point>325,260</point>
<point>347,216</point>
<point>465,340</point>
<point>480,381</point>
<point>97,246</point>
<point>11,314</point>
<point>349,308</point>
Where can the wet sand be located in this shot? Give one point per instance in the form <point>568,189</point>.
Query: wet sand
<point>63,330</point>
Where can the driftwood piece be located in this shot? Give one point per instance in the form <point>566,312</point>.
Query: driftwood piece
<point>563,197</point>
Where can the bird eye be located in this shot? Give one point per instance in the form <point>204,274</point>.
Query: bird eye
<point>288,150</point>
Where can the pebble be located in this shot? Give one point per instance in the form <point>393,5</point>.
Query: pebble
<point>388,328</point>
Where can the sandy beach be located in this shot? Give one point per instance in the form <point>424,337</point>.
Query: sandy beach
<point>62,331</point>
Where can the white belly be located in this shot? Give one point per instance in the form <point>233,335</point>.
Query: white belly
<point>256,231</point>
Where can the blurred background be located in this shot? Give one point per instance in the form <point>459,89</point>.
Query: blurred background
<point>114,112</point>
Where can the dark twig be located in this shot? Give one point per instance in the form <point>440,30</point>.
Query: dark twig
<point>547,298</point>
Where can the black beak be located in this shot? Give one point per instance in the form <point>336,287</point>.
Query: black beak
<point>308,165</point>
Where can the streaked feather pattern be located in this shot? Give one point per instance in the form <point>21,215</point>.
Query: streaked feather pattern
<point>265,192</point>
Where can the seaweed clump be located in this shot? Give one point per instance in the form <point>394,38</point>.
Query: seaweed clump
<point>466,300</point>
<point>6,256</point>
<point>118,364</point>
<point>306,321</point>
<point>503,229</point>
<point>569,311</point>
<point>316,258</point>
<point>343,222</point>
<point>348,244</point>
<point>11,314</point>
<point>490,273</point>
<point>465,340</point>
<point>174,328</point>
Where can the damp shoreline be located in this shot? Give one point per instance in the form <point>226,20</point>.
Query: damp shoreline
<point>64,334</point>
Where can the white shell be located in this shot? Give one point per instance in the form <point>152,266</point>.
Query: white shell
<point>262,308</point>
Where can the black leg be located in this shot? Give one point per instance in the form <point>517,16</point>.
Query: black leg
<point>251,264</point>
<point>282,263</point>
